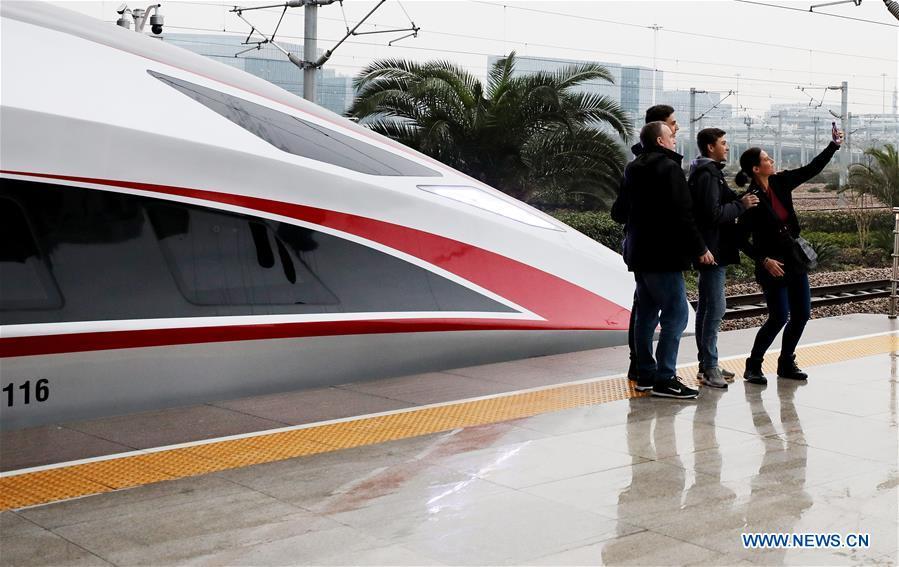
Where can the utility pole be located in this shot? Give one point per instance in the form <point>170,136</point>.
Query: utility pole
<point>748,122</point>
<point>310,46</point>
<point>868,134</point>
<point>848,134</point>
<point>844,119</point>
<point>691,143</point>
<point>310,63</point>
<point>778,142</point>
<point>803,150</point>
<point>692,123</point>
<point>815,147</point>
<point>655,68</point>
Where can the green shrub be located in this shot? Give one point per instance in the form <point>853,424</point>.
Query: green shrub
<point>882,240</point>
<point>851,258</point>
<point>744,271</point>
<point>691,281</point>
<point>596,224</point>
<point>838,239</point>
<point>833,234</point>
<point>826,251</point>
<point>841,221</point>
<point>814,190</point>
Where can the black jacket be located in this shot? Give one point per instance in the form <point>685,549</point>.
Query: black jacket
<point>654,204</point>
<point>761,234</point>
<point>715,208</point>
<point>621,206</point>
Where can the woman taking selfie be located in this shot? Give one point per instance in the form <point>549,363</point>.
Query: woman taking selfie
<point>782,258</point>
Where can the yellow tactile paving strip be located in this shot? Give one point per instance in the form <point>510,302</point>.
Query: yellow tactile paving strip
<point>29,489</point>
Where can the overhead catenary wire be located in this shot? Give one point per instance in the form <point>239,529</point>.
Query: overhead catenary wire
<point>790,83</point>
<point>716,105</point>
<point>587,50</point>
<point>841,16</point>
<point>343,90</point>
<point>676,31</point>
<point>727,79</point>
<point>746,93</point>
<point>859,91</point>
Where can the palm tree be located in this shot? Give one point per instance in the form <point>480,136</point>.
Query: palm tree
<point>531,136</point>
<point>880,178</point>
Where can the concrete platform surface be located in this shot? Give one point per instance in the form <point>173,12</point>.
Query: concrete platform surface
<point>636,481</point>
<point>69,441</point>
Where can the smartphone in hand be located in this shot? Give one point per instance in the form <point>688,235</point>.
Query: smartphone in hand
<point>835,134</point>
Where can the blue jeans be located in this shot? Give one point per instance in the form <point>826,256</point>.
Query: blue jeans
<point>661,300</point>
<point>709,312</point>
<point>630,330</point>
<point>789,304</point>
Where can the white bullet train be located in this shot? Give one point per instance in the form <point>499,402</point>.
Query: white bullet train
<point>176,231</point>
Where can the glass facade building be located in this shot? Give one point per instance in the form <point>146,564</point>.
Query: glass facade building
<point>333,91</point>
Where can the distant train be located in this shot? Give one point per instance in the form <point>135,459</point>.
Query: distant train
<point>175,230</point>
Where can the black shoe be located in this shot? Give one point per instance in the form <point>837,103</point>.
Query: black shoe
<point>786,368</point>
<point>632,371</point>
<point>673,388</point>
<point>753,373</point>
<point>645,383</point>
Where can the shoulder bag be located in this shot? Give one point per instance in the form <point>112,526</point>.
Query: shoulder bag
<point>802,254</point>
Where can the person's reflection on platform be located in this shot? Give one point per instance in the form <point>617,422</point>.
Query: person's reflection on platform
<point>708,461</point>
<point>653,488</point>
<point>777,496</point>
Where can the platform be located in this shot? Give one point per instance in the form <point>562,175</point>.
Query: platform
<point>546,461</point>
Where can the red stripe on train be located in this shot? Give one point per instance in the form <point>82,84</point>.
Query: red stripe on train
<point>109,340</point>
<point>564,305</point>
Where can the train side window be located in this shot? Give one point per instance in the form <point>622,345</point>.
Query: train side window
<point>26,282</point>
<point>116,256</point>
<point>300,137</point>
<point>227,259</point>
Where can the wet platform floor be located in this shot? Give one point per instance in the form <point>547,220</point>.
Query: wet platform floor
<point>634,481</point>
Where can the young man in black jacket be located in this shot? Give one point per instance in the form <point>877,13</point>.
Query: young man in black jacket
<point>662,240</point>
<point>715,208</point>
<point>663,113</point>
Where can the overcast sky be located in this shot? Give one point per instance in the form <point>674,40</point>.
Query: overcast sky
<point>701,44</point>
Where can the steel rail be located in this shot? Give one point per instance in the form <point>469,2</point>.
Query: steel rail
<point>753,304</point>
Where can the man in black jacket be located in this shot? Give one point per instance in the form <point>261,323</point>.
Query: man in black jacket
<point>715,208</point>
<point>620,209</point>
<point>661,241</point>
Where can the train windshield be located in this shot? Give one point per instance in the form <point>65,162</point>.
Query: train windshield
<point>300,137</point>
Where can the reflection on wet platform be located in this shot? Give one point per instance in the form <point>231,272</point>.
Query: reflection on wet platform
<point>635,481</point>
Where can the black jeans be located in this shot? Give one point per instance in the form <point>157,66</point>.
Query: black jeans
<point>789,305</point>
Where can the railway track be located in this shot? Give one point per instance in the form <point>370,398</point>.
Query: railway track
<point>752,304</point>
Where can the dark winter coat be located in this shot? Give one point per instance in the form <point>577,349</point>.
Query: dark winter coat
<point>715,208</point>
<point>654,203</point>
<point>761,234</point>
<point>621,206</point>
